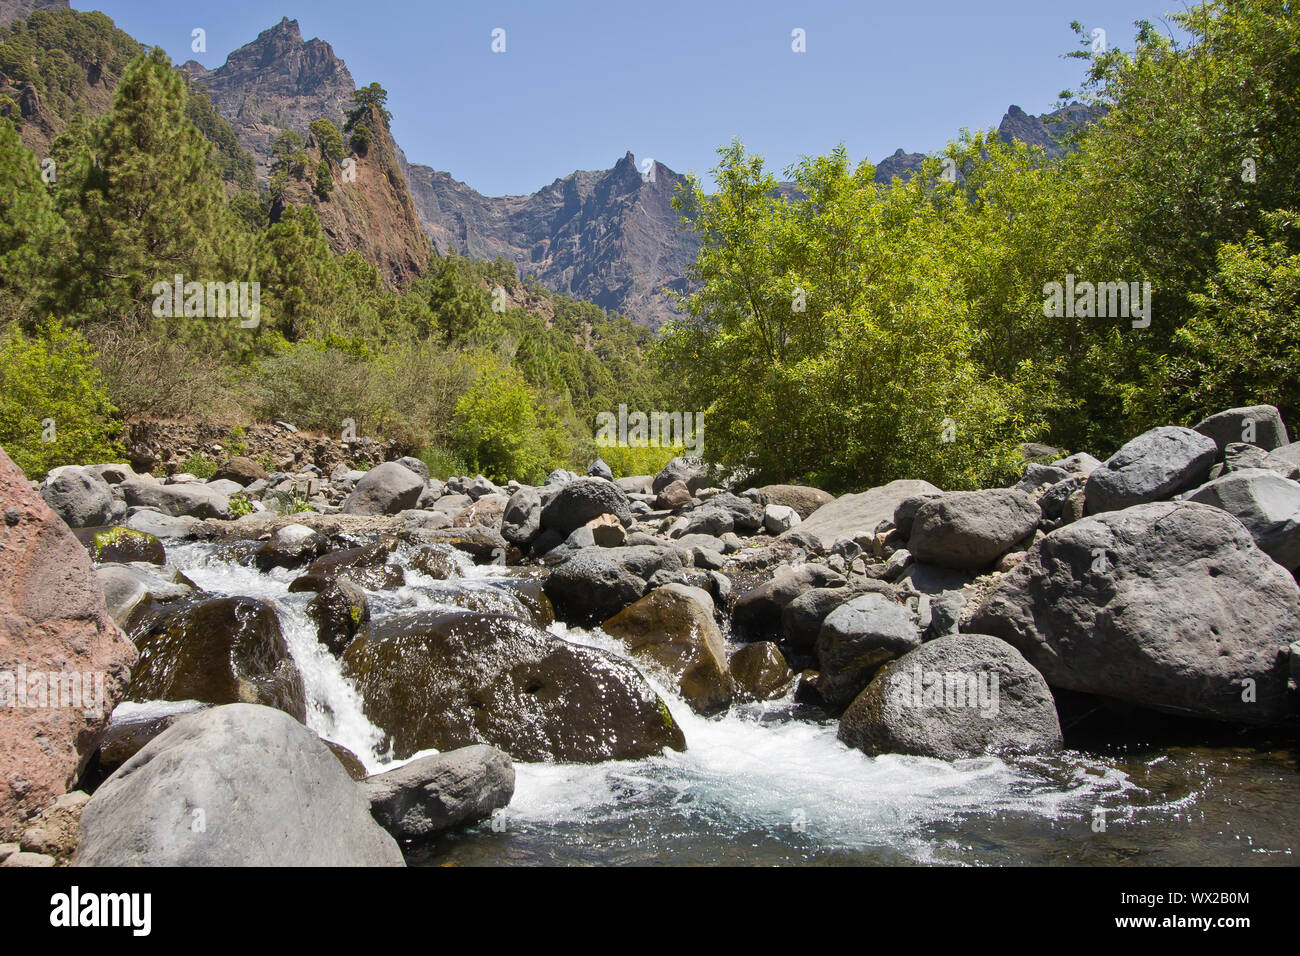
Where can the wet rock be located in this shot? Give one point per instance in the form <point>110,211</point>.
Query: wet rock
<point>591,587</point>
<point>760,672</point>
<point>673,627</point>
<point>365,567</point>
<point>450,680</point>
<point>292,546</point>
<point>135,724</point>
<point>239,785</point>
<point>341,610</point>
<point>216,650</point>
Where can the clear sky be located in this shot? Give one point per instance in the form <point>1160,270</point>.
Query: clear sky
<point>581,82</point>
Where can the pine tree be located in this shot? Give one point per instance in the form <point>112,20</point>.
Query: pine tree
<point>30,231</point>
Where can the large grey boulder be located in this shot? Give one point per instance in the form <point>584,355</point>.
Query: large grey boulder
<point>1266,503</point>
<point>1285,460</point>
<point>969,530</point>
<point>521,521</point>
<point>693,472</point>
<point>1156,465</point>
<point>78,496</point>
<point>188,500</point>
<point>580,500</point>
<point>1260,425</point>
<point>385,490</point>
<point>756,615</point>
<point>434,794</point>
<point>856,638</point>
<point>855,516</point>
<point>239,785</point>
<point>802,498</point>
<point>964,695</point>
<point>1167,605</point>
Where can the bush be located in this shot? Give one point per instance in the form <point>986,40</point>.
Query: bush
<point>54,409</point>
<point>200,466</point>
<point>442,463</point>
<point>504,431</point>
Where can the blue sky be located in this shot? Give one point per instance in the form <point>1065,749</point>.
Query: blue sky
<point>583,81</point>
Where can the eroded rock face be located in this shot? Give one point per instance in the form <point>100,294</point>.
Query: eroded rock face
<point>1167,605</point>
<point>448,680</point>
<point>964,695</point>
<point>53,621</point>
<point>271,793</point>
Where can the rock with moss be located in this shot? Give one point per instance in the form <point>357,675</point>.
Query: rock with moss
<point>122,546</point>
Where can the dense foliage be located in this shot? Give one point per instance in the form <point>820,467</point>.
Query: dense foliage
<point>864,332</point>
<point>155,188</point>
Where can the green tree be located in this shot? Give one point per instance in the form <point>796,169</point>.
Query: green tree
<point>30,230</point>
<point>327,138</point>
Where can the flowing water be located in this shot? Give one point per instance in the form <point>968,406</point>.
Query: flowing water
<point>759,787</point>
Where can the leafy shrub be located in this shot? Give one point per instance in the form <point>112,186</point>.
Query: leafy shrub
<point>52,379</point>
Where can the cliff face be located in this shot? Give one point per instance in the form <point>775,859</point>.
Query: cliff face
<point>280,82</point>
<point>11,10</point>
<point>371,214</point>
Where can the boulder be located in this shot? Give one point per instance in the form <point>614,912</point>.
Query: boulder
<point>965,695</point>
<point>366,567</point>
<point>188,500</point>
<point>969,530</point>
<point>1238,456</point>
<point>778,519</point>
<point>582,499</point>
<point>591,587</point>
<point>242,471</point>
<point>239,785</point>
<point>432,795</point>
<point>121,546</point>
<point>706,520</point>
<point>291,546</point>
<point>216,650</point>
<point>673,627</point>
<point>158,524</point>
<point>759,672</point>
<point>756,615</point>
<point>1170,606</point>
<point>1080,463</point>
<point>905,513</point>
<point>447,680</point>
<point>56,637</point>
<point>522,519</point>
<point>1266,503</point>
<point>1156,465</point>
<point>485,512</point>
<point>415,466</point>
<point>856,639</point>
<point>802,498</point>
<point>1255,425</point>
<point>133,725</point>
<point>340,610</point>
<point>857,515</point>
<point>78,496</point>
<point>1285,461</point>
<point>599,469</point>
<point>673,496</point>
<point>54,831</point>
<point>693,472</point>
<point>385,490</point>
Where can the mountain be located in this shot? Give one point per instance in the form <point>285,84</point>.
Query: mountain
<point>11,10</point>
<point>607,237</point>
<point>277,82</point>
